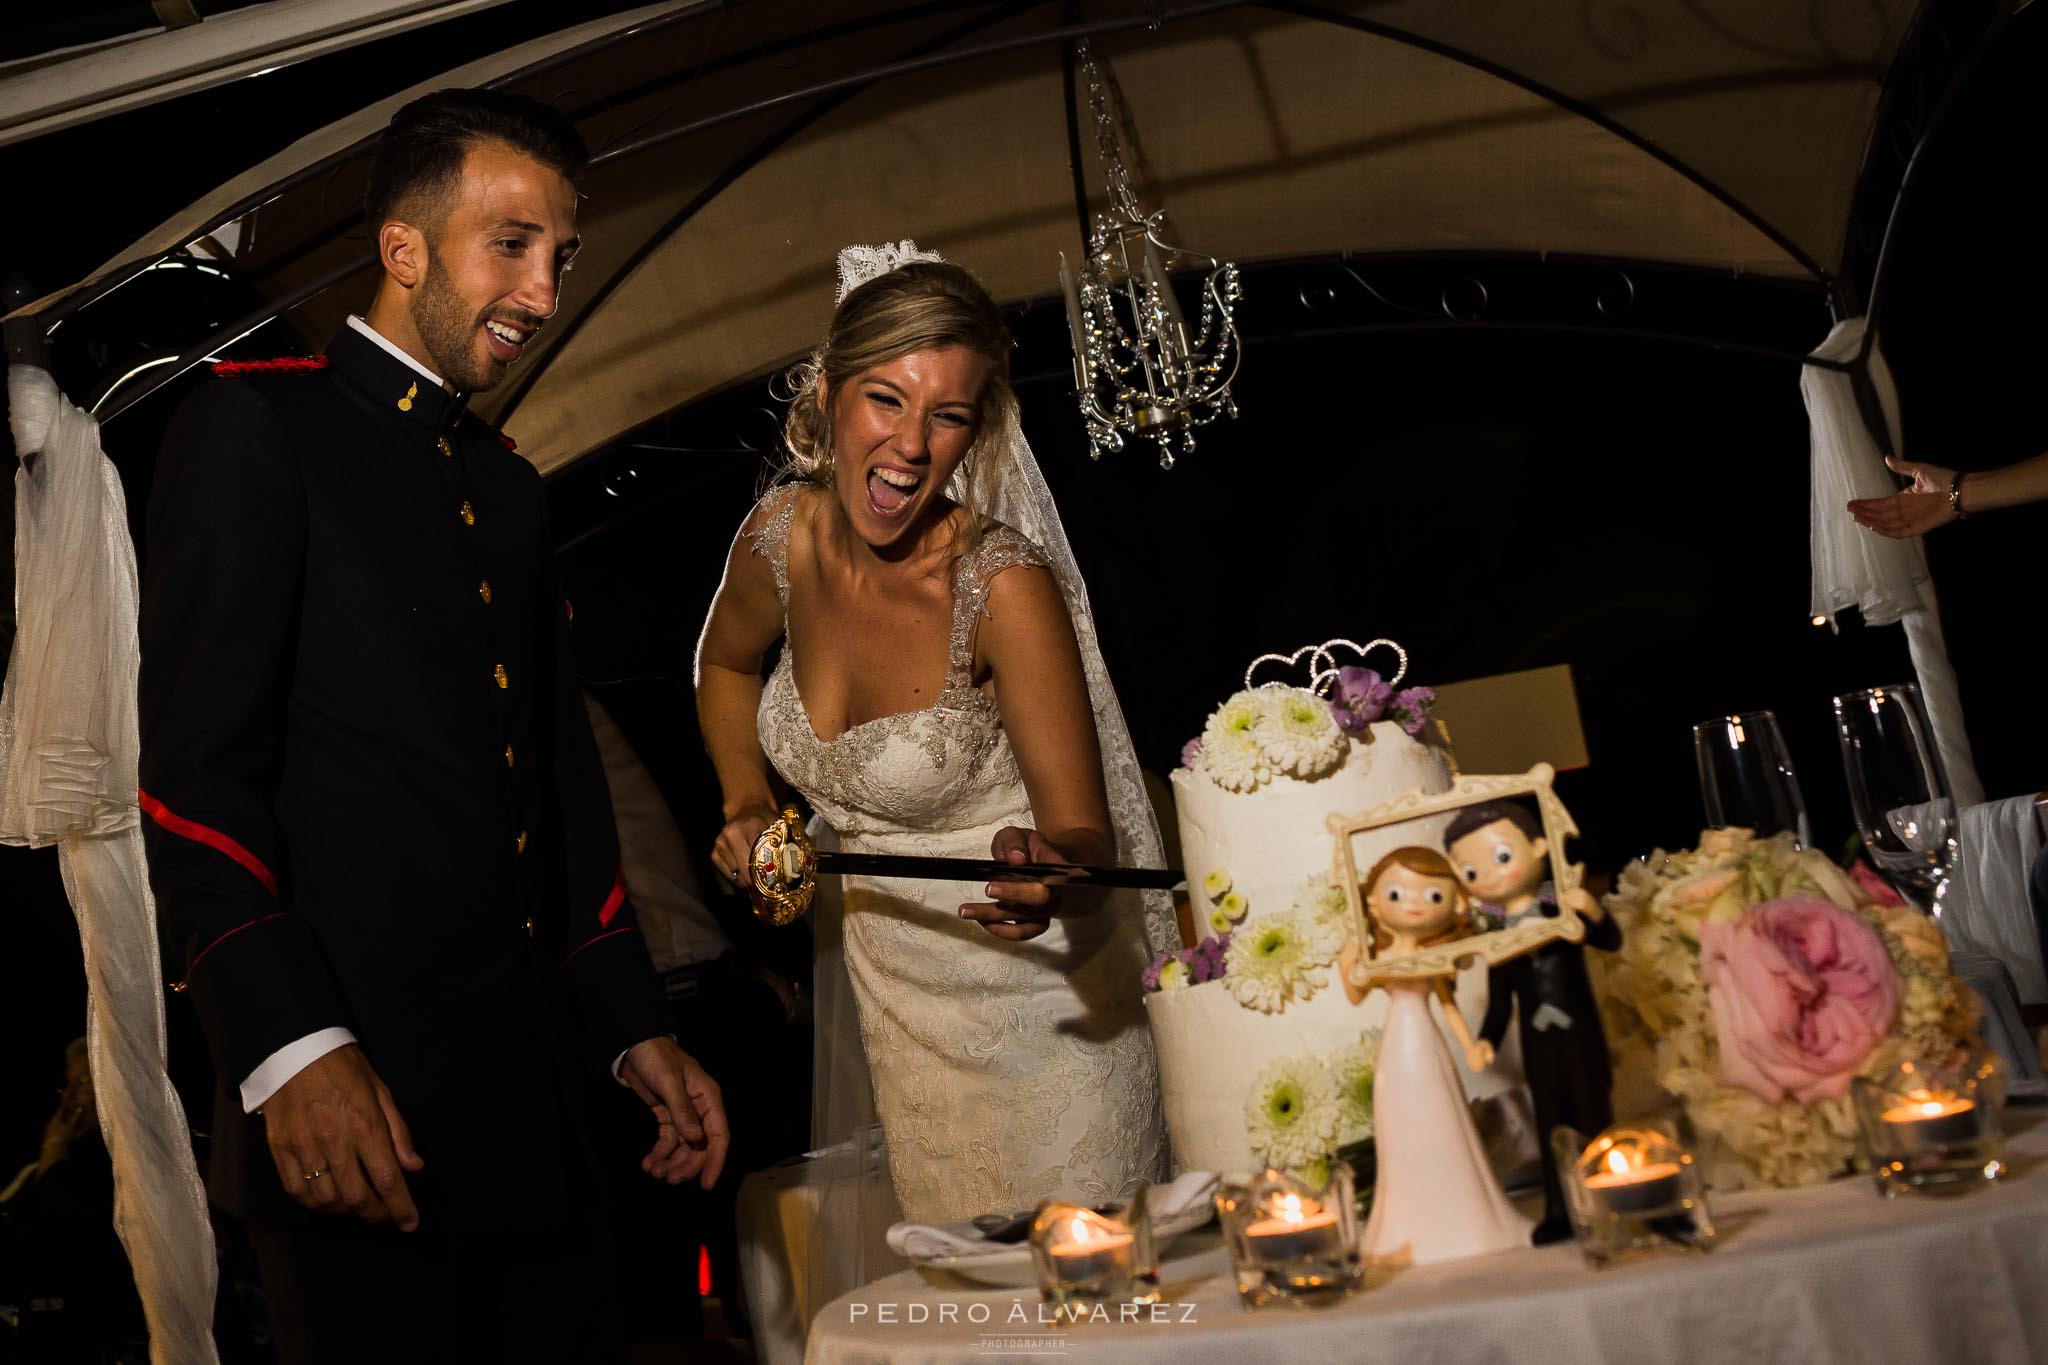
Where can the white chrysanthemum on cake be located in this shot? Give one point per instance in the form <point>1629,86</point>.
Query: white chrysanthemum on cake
<point>1278,958</point>
<point>1290,1115</point>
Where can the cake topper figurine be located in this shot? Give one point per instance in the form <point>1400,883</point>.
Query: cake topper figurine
<point>1499,851</point>
<point>1436,1198</point>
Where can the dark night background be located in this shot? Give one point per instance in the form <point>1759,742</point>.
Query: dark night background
<point>1496,500</point>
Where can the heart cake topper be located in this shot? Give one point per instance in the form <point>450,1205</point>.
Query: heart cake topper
<point>1323,665</point>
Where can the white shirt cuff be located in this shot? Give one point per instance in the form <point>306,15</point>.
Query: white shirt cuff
<point>287,1062</point>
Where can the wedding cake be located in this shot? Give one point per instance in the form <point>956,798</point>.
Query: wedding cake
<point>1262,1060</point>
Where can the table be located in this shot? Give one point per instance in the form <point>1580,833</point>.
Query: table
<point>1830,1276</point>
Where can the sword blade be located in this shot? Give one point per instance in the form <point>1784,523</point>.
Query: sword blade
<point>835,863</point>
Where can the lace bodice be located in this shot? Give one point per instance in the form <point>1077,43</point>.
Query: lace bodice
<point>1002,1072</point>
<point>942,769</point>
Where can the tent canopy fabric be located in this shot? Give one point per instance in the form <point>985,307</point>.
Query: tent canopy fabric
<point>736,154</point>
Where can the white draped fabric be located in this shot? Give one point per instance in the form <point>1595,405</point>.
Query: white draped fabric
<point>68,753</point>
<point>1885,579</point>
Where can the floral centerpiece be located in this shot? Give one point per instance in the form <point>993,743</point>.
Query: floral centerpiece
<point>1755,981</point>
<point>1267,963</point>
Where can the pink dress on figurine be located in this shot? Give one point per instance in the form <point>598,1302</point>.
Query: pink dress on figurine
<point>1436,1199</point>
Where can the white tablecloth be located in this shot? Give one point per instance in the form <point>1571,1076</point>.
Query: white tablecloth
<point>1831,1276</point>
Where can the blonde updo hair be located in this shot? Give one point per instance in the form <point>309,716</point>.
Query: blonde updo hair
<point>922,306</point>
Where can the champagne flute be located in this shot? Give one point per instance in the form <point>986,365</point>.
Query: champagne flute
<point>1898,789</point>
<point>1746,776</point>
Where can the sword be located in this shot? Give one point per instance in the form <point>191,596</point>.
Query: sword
<point>786,865</point>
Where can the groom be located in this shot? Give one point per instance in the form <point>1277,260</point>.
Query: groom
<point>379,834</point>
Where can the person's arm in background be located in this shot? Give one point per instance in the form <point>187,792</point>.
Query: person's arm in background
<point>1926,503</point>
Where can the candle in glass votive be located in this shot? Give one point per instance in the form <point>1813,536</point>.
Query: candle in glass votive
<point>1092,1254</point>
<point>1631,1186</point>
<point>1926,1121</point>
<point>1297,1230</point>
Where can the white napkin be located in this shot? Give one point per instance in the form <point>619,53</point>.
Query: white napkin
<point>1173,1201</point>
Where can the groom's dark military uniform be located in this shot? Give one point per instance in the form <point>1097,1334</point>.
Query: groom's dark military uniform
<point>375,804</point>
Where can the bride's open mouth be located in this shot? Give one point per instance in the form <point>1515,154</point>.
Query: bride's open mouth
<point>891,491</point>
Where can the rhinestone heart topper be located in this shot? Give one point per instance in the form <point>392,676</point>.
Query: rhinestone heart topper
<point>1323,665</point>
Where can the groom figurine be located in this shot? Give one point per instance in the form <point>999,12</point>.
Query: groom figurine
<point>1498,849</point>
<point>378,831</point>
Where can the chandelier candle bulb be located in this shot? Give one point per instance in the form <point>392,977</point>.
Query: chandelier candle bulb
<point>1076,323</point>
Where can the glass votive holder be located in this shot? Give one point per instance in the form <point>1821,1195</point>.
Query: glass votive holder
<point>1932,1129</point>
<point>1087,1257</point>
<point>1632,1189</point>
<point>1290,1241</point>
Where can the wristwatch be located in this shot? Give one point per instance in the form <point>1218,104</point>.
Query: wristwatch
<point>1955,495</point>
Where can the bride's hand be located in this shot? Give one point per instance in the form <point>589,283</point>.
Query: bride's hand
<point>1021,909</point>
<point>734,848</point>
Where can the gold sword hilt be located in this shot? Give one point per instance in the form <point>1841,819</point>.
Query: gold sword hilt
<point>784,867</point>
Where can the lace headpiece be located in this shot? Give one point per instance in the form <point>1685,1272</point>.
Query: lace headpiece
<point>859,264</point>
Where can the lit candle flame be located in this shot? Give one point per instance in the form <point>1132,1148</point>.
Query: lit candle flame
<point>1617,1162</point>
<point>1081,1230</point>
<point>1931,1107</point>
<point>1289,1208</point>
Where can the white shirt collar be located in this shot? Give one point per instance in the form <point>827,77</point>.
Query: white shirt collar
<point>373,334</point>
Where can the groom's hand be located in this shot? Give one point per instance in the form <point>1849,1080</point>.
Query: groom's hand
<point>692,1138</point>
<point>339,1143</point>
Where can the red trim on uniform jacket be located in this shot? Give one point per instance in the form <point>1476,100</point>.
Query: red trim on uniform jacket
<point>212,838</point>
<point>611,903</point>
<point>614,933</point>
<point>287,364</point>
<point>224,938</point>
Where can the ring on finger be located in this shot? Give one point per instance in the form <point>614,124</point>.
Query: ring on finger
<point>315,1175</point>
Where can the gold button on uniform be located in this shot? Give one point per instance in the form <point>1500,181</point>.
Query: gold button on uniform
<point>468,513</point>
<point>508,755</point>
<point>522,841</point>
<point>529,926</point>
<point>499,674</point>
<point>441,444</point>
<point>483,590</point>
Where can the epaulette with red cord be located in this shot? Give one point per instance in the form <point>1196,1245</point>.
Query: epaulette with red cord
<point>499,436</point>
<point>288,364</point>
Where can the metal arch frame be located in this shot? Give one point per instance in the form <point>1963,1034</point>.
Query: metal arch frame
<point>1154,17</point>
<point>723,180</point>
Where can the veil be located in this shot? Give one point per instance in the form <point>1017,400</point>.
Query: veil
<point>854,1198</point>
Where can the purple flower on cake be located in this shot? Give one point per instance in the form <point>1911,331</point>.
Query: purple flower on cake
<point>1359,698</point>
<point>1212,950</point>
<point>1410,708</point>
<point>1190,751</point>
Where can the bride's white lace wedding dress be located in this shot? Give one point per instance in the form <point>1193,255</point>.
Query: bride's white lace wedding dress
<point>1002,1072</point>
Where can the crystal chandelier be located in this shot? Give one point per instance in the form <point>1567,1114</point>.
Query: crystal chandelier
<point>1148,377</point>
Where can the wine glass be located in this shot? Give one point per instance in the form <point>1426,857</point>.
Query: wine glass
<point>1746,776</point>
<point>1898,789</point>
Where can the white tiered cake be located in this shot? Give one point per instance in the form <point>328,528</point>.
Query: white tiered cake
<point>1251,830</point>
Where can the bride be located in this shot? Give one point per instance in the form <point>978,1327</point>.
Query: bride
<point>939,691</point>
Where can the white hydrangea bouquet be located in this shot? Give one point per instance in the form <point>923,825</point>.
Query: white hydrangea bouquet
<point>1304,1111</point>
<point>1755,982</point>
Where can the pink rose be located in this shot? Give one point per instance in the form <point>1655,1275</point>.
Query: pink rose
<point>1801,990</point>
<point>1875,887</point>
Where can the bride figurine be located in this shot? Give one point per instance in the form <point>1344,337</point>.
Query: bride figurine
<point>1436,1198</point>
<point>939,691</point>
